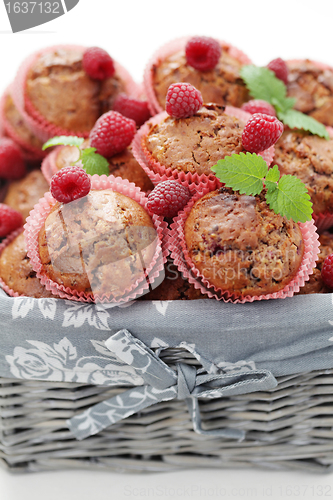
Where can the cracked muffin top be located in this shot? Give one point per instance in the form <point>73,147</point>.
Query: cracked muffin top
<point>195,144</point>
<point>98,244</point>
<point>240,245</point>
<point>310,158</point>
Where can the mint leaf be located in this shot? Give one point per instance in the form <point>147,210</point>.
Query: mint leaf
<point>290,199</point>
<point>243,172</point>
<point>296,119</point>
<point>263,84</point>
<point>272,178</point>
<point>93,163</point>
<point>63,140</point>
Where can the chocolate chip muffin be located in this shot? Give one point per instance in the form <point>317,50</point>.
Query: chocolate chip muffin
<point>240,245</point>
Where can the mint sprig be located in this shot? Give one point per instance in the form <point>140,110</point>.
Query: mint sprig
<point>92,162</point>
<point>247,173</point>
<point>263,84</point>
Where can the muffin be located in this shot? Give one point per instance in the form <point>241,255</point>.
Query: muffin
<point>310,158</point>
<point>17,276</point>
<point>187,148</point>
<point>16,128</point>
<point>122,165</point>
<point>102,247</point>
<point>222,85</point>
<point>311,84</point>
<point>23,194</point>
<point>57,97</point>
<point>174,287</point>
<point>315,283</point>
<point>240,246</point>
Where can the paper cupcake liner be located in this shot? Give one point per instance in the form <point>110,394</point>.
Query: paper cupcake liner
<point>30,153</point>
<point>323,221</point>
<point>37,218</point>
<point>167,50</point>
<point>41,127</point>
<point>158,173</point>
<point>182,260</point>
<point>49,166</point>
<point>11,237</point>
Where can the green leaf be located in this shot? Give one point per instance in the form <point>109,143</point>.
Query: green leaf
<point>272,178</point>
<point>243,172</point>
<point>290,199</point>
<point>296,119</point>
<point>93,163</point>
<point>263,84</point>
<point>64,140</point>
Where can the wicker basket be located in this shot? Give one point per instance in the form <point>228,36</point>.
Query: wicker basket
<point>287,426</point>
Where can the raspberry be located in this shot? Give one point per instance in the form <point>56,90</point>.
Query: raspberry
<point>10,220</point>
<point>167,198</point>
<point>182,100</point>
<point>97,63</point>
<point>112,133</point>
<point>132,108</point>
<point>258,106</point>
<point>261,132</point>
<point>203,53</point>
<point>327,271</point>
<point>69,184</point>
<point>280,69</point>
<point>12,165</point>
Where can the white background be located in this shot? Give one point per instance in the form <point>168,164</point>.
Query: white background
<point>131,30</point>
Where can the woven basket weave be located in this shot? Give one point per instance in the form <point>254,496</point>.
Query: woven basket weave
<point>289,426</point>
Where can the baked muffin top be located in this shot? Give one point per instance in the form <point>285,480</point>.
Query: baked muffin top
<point>240,245</point>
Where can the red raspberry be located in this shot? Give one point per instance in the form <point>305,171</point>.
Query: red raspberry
<point>168,198</point>
<point>327,271</point>
<point>10,220</point>
<point>261,132</point>
<point>203,53</point>
<point>182,100</point>
<point>97,63</point>
<point>258,106</point>
<point>12,165</point>
<point>280,69</point>
<point>132,108</point>
<point>69,184</point>
<point>112,133</point>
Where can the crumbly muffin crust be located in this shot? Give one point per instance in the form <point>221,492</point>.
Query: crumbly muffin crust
<point>310,158</point>
<point>222,85</point>
<point>98,244</point>
<point>17,272</point>
<point>23,194</point>
<point>242,246</point>
<point>312,87</point>
<point>65,95</point>
<point>196,143</point>
<point>14,118</point>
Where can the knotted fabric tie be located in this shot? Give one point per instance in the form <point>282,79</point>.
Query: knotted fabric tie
<point>162,383</point>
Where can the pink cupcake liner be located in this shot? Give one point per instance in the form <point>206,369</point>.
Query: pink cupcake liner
<point>158,173</point>
<point>30,153</point>
<point>323,221</point>
<point>42,128</point>
<point>36,220</point>
<point>11,237</point>
<point>49,166</point>
<point>182,260</point>
<point>167,50</point>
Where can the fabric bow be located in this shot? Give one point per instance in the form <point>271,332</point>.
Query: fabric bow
<point>164,383</point>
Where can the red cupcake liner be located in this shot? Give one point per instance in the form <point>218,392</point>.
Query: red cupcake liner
<point>323,221</point>
<point>158,173</point>
<point>37,218</point>
<point>182,260</point>
<point>41,127</point>
<point>11,237</point>
<point>30,153</point>
<point>167,50</point>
